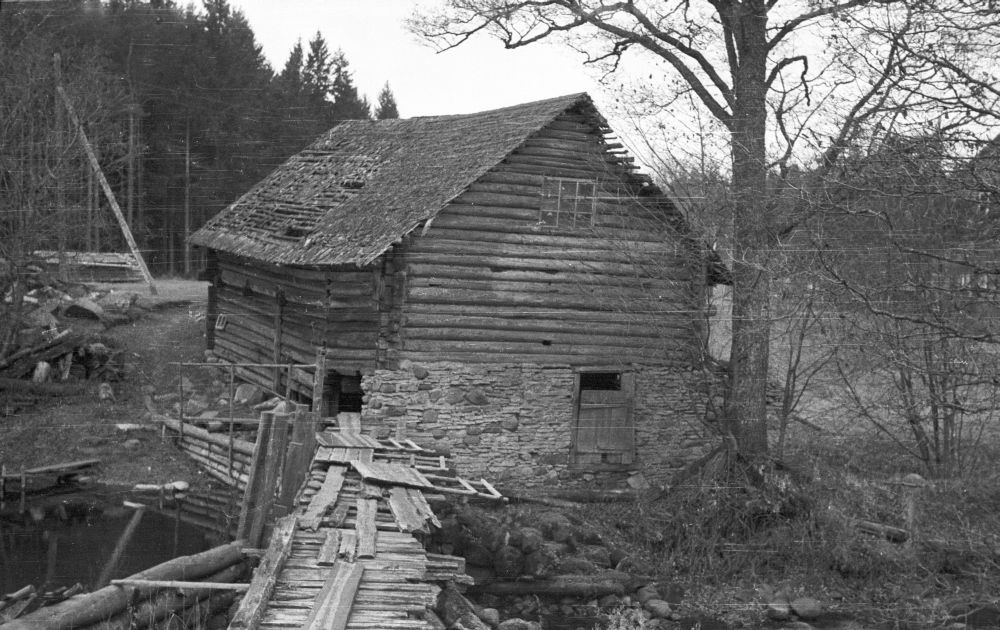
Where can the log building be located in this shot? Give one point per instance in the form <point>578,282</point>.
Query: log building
<point>505,285</point>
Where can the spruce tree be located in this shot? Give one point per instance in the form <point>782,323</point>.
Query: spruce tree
<point>386,107</point>
<point>347,105</point>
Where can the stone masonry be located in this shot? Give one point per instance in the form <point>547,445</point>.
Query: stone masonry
<point>514,423</point>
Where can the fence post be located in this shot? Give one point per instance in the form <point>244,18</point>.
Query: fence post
<point>249,511</point>
<point>319,381</point>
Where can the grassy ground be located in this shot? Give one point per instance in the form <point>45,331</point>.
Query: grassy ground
<point>75,427</point>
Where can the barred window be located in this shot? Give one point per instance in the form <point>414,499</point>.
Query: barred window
<point>568,202</point>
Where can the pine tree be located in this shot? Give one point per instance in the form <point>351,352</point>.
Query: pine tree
<point>347,105</point>
<point>386,107</point>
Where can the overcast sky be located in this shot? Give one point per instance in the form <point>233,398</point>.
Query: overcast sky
<point>479,75</point>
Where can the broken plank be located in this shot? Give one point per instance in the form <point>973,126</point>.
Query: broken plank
<point>394,474</point>
<point>265,577</point>
<point>326,496</point>
<point>365,526</point>
<point>418,499</point>
<point>348,545</point>
<point>346,440</point>
<point>331,547</point>
<point>408,517</point>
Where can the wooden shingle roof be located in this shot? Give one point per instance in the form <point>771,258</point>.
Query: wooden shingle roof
<point>364,185</point>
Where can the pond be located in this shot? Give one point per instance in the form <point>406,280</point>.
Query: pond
<point>63,540</point>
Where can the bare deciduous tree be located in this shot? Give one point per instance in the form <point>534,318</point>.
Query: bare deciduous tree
<point>787,80</point>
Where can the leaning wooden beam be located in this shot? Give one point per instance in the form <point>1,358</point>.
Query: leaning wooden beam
<point>265,577</point>
<point>83,610</point>
<point>99,174</point>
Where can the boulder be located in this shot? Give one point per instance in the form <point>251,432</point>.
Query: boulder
<point>778,608</point>
<point>508,561</point>
<point>490,616</point>
<point>673,594</point>
<point>600,556</point>
<point>476,554</point>
<point>647,593</point>
<point>84,308</point>
<point>518,624</point>
<point>807,607</point>
<point>658,608</point>
<point>529,539</point>
<point>454,609</point>
<point>247,394</point>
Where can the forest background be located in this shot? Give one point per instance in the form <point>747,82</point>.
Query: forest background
<point>181,106</point>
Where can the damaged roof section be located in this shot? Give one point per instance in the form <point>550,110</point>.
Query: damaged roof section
<point>365,184</point>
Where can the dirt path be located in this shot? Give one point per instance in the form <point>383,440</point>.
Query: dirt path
<point>82,426</point>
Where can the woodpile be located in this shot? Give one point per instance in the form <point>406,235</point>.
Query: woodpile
<point>195,588</point>
<point>50,334</point>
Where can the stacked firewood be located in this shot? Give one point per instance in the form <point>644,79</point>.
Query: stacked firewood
<point>50,337</point>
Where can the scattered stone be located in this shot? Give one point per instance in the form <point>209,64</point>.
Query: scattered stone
<point>455,609</point>
<point>600,556</point>
<point>84,308</point>
<point>106,392</point>
<point>508,562</point>
<point>658,608</point>
<point>529,539</point>
<point>490,615</point>
<point>578,565</point>
<point>42,373</point>
<point>478,555</point>
<point>148,390</point>
<point>807,608</point>
<point>247,394</point>
<point>795,625</point>
<point>647,593</point>
<point>132,444</point>
<point>518,624</point>
<point>609,601</point>
<point>673,594</point>
<point>209,414</point>
<point>778,608</point>
<point>637,481</point>
<point>186,384</point>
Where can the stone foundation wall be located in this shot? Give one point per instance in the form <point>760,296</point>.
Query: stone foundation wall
<point>514,423</point>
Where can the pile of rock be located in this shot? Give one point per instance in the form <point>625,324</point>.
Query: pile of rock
<point>544,566</point>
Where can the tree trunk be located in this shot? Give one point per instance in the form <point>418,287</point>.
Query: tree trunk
<point>746,410</point>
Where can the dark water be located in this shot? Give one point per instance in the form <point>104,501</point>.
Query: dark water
<point>70,538</point>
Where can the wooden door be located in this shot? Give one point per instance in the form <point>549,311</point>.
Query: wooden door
<point>605,430</point>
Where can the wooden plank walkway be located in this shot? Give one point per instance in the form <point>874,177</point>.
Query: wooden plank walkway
<point>351,560</point>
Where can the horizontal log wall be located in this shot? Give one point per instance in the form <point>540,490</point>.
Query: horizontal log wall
<point>489,281</point>
<point>337,307</point>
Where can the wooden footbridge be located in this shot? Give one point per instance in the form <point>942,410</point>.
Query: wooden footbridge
<point>350,553</point>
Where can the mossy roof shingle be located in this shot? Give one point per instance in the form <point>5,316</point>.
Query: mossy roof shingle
<point>364,185</point>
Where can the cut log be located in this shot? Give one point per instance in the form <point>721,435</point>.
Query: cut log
<point>582,586</point>
<point>83,610</point>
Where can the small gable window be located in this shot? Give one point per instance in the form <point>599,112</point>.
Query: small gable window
<point>569,203</point>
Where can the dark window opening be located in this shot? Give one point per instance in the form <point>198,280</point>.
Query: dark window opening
<point>606,381</point>
<point>349,397</point>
